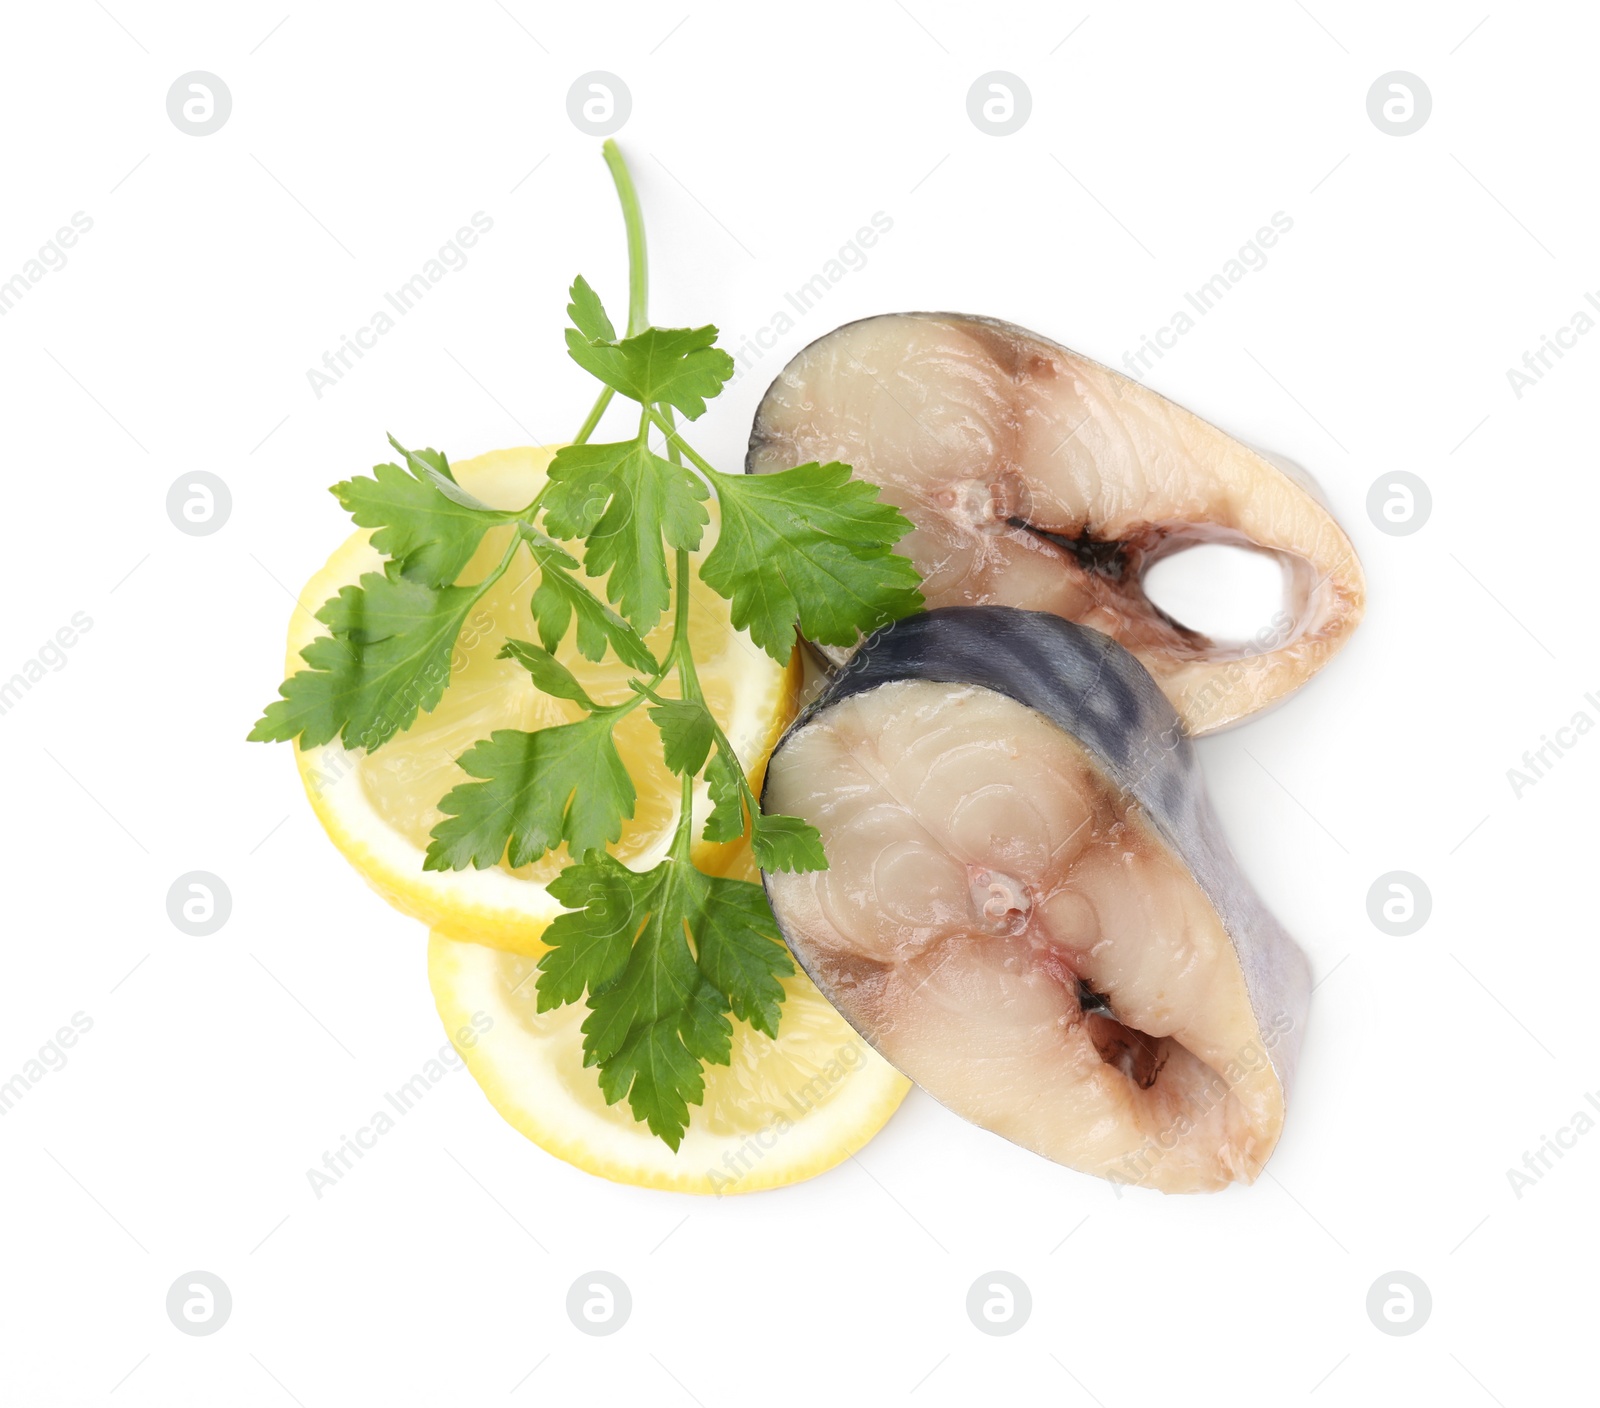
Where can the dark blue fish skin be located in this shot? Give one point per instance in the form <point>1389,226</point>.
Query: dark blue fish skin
<point>1100,695</point>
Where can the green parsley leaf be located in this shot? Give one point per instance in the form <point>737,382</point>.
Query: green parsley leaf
<point>384,604</point>
<point>623,499</point>
<point>587,313</point>
<point>432,533</point>
<point>545,549</point>
<point>316,703</point>
<point>725,782</point>
<point>657,1005</point>
<point>549,674</point>
<point>678,367</point>
<point>558,598</point>
<point>600,934</point>
<point>742,951</point>
<point>810,544</point>
<point>787,843</point>
<point>388,659</point>
<point>655,1017</point>
<point>659,1067</point>
<point>686,729</point>
<point>538,789</point>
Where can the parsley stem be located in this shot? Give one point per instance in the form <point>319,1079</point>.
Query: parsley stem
<point>688,688</point>
<point>667,428</point>
<point>679,653</point>
<point>665,411</point>
<point>633,220</point>
<point>528,515</point>
<point>683,837</point>
<point>638,272</point>
<point>683,655</point>
<point>593,419</point>
<point>505,562</point>
<point>688,679</point>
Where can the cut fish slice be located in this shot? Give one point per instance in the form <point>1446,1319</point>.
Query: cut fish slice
<point>1037,478</point>
<point>1031,910</point>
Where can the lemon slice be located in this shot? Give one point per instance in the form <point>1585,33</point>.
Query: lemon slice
<point>783,1110</point>
<point>379,809</point>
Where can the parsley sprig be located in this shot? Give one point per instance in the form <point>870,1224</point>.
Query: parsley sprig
<point>661,957</point>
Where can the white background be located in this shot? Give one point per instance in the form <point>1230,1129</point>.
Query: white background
<point>177,338</point>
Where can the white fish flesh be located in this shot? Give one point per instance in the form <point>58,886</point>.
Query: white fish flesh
<point>1031,910</point>
<point>1038,478</point>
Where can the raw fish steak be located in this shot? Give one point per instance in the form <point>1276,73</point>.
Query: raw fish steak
<point>1030,908</point>
<point>1037,478</point>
